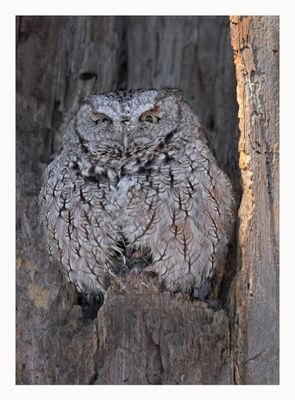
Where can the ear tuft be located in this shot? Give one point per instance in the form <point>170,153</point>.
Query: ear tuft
<point>178,93</point>
<point>84,100</point>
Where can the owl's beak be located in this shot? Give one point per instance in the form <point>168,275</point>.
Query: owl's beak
<point>125,141</point>
<point>125,126</point>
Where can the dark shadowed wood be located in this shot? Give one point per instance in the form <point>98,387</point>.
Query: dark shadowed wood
<point>194,54</point>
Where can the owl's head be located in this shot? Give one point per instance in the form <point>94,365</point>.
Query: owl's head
<point>128,122</point>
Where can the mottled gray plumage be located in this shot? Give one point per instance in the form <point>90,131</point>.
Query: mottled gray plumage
<point>135,185</point>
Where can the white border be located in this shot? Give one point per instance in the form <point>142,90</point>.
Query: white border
<point>152,7</point>
<point>7,65</point>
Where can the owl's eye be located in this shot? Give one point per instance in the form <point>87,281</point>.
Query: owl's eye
<point>149,117</point>
<point>100,118</point>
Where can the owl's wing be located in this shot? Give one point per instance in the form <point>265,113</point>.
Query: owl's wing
<point>193,221</point>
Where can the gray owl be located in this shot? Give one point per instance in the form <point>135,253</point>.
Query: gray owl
<point>136,187</point>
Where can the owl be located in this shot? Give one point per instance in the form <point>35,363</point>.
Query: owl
<point>135,187</point>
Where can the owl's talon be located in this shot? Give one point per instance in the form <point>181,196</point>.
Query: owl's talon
<point>151,269</point>
<point>202,291</point>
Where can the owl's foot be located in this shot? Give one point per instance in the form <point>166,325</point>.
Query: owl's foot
<point>151,269</point>
<point>203,291</point>
<point>135,271</point>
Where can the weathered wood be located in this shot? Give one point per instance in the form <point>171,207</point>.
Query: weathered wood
<point>255,41</point>
<point>59,59</point>
<point>149,336</point>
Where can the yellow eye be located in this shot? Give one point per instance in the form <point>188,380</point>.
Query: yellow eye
<point>100,117</point>
<point>149,117</point>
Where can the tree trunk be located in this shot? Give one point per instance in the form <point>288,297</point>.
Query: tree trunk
<point>145,335</point>
<point>255,41</point>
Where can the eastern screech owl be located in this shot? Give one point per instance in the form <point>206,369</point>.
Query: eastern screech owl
<point>136,186</point>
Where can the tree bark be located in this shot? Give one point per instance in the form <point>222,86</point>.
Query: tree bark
<point>255,41</point>
<point>145,335</point>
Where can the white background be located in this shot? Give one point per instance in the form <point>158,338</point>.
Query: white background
<point>8,11</point>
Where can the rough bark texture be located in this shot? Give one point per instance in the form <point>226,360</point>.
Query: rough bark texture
<point>159,338</point>
<point>145,335</point>
<point>255,41</point>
